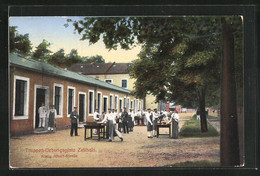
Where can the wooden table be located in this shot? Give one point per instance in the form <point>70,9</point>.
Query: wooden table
<point>94,125</point>
<point>163,126</point>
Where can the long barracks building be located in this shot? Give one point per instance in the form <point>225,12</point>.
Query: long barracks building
<point>33,82</point>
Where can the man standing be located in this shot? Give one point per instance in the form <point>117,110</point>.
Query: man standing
<point>96,118</point>
<point>175,124</point>
<point>51,115</point>
<point>149,119</point>
<point>125,121</point>
<point>155,120</point>
<point>132,119</point>
<point>42,115</point>
<point>74,121</point>
<point>111,118</point>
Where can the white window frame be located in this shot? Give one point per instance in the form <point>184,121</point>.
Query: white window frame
<point>105,96</point>
<point>138,105</point>
<point>73,100</point>
<point>124,103</point>
<point>92,107</point>
<point>128,103</point>
<point>116,102</point>
<point>26,104</point>
<point>85,104</point>
<point>100,110</point>
<point>61,101</point>
<point>126,83</point>
<point>111,105</point>
<point>110,80</point>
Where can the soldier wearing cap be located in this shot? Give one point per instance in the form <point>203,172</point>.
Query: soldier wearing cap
<point>125,121</point>
<point>74,122</point>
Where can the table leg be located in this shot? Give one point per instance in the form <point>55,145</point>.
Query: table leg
<point>91,132</point>
<point>98,133</point>
<point>157,132</point>
<point>169,131</point>
<point>85,133</point>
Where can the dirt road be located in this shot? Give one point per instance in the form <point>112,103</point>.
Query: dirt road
<point>58,150</point>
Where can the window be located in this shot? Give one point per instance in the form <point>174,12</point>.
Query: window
<point>71,99</point>
<point>116,102</point>
<point>131,104</point>
<point>110,81</point>
<point>91,102</point>
<point>124,83</point>
<point>111,101</point>
<point>105,104</point>
<point>124,102</point>
<point>128,103</point>
<point>99,103</point>
<point>21,97</point>
<point>58,98</point>
<point>120,104</point>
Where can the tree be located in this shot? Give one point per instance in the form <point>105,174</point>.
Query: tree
<point>42,52</point>
<point>159,37</point>
<point>18,42</point>
<point>95,59</point>
<point>72,58</point>
<point>58,58</point>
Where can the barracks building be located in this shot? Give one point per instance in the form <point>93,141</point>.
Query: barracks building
<point>33,82</point>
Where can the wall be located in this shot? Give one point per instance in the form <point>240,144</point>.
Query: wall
<point>48,81</point>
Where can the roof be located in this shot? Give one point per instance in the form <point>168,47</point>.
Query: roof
<point>19,61</point>
<point>101,68</point>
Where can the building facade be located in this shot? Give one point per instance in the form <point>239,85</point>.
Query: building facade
<point>114,73</point>
<point>33,83</point>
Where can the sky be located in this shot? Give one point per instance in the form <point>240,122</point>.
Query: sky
<point>53,30</point>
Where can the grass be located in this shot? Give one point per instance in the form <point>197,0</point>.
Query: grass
<point>203,163</point>
<point>192,128</point>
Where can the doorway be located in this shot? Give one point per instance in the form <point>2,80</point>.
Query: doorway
<point>82,107</point>
<point>40,98</point>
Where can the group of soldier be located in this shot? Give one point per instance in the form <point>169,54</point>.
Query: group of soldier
<point>116,122</point>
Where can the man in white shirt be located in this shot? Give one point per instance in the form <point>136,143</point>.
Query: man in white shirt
<point>156,115</point>
<point>132,114</point>
<point>111,118</point>
<point>175,124</point>
<point>42,115</point>
<point>96,119</point>
<point>149,119</point>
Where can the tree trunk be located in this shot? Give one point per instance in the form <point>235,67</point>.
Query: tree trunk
<point>203,117</point>
<point>229,146</point>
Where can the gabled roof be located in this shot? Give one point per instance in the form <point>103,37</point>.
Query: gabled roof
<point>19,61</point>
<point>101,68</point>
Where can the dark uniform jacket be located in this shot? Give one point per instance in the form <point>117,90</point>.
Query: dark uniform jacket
<point>74,117</point>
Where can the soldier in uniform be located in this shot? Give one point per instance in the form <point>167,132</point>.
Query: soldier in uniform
<point>74,121</point>
<point>111,119</point>
<point>125,121</point>
<point>131,120</point>
<point>149,119</point>
<point>42,115</point>
<point>175,124</point>
<point>156,115</point>
<point>51,115</point>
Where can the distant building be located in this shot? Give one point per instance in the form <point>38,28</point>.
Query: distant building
<point>114,73</point>
<point>33,83</point>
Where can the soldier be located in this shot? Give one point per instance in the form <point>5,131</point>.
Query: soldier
<point>132,119</point>
<point>149,119</point>
<point>175,123</point>
<point>155,120</point>
<point>74,121</point>
<point>111,119</point>
<point>96,118</point>
<point>120,122</point>
<point>125,121</point>
<point>42,115</point>
<point>51,115</point>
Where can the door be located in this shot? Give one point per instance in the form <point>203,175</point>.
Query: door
<point>40,98</point>
<point>81,107</point>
